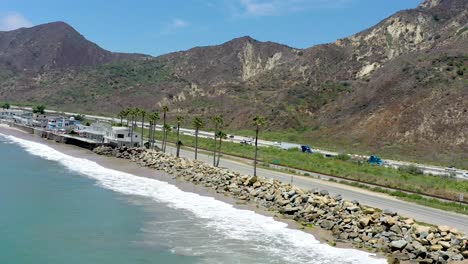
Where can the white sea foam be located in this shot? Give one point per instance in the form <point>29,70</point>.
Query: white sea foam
<point>272,237</point>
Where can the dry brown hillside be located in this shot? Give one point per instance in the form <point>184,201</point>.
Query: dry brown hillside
<point>398,88</point>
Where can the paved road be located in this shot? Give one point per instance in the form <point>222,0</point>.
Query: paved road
<point>382,201</point>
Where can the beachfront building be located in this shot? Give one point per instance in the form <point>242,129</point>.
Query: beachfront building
<point>122,136</point>
<point>24,118</point>
<point>62,123</point>
<point>11,114</point>
<point>40,120</point>
<point>16,116</point>
<point>95,132</point>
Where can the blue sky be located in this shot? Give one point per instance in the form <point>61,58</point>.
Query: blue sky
<point>161,26</point>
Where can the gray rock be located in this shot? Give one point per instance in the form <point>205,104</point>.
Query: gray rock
<point>327,224</point>
<point>338,197</point>
<point>288,209</point>
<point>396,229</point>
<point>352,208</point>
<point>344,235</point>
<point>324,192</point>
<point>423,234</point>
<point>398,244</point>
<point>457,257</point>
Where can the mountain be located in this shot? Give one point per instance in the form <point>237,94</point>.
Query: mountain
<point>399,88</point>
<point>51,46</point>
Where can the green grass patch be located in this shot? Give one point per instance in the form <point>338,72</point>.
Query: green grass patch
<point>406,179</point>
<point>414,198</point>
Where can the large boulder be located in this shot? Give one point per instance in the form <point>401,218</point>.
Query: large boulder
<point>288,209</point>
<point>251,180</point>
<point>398,244</point>
<point>418,229</point>
<point>364,221</point>
<point>443,228</point>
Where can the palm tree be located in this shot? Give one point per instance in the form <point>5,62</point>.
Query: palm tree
<point>197,123</point>
<point>150,131</point>
<point>166,130</point>
<point>221,136</point>
<point>153,117</point>
<point>127,114</point>
<point>258,121</point>
<point>122,114</point>
<point>219,121</point>
<point>132,113</point>
<point>180,119</point>
<point>165,109</point>
<point>142,113</point>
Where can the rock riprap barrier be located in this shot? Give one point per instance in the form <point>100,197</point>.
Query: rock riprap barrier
<point>366,227</point>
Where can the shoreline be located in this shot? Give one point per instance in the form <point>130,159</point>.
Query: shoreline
<point>142,162</point>
<point>128,166</point>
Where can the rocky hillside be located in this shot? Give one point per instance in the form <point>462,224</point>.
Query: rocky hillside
<point>50,46</point>
<point>400,87</point>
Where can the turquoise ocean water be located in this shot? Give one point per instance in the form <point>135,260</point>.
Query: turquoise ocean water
<point>55,208</point>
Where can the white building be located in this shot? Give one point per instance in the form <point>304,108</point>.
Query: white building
<point>62,123</point>
<point>96,132</point>
<point>122,136</point>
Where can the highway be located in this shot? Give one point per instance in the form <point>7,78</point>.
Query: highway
<point>427,169</point>
<point>378,200</point>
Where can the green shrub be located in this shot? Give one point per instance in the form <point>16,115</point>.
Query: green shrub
<point>343,157</point>
<point>411,169</point>
<point>39,109</point>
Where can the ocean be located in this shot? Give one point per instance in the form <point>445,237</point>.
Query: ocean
<point>56,208</point>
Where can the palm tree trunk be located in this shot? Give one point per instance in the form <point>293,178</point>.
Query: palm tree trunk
<point>196,143</point>
<point>154,134</point>
<point>163,144</point>
<point>142,127</point>
<point>150,133</point>
<point>256,151</point>
<point>165,140</point>
<point>178,141</point>
<point>214,148</point>
<point>131,133</point>
<point>219,151</point>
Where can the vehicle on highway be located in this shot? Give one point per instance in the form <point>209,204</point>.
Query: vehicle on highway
<point>465,175</point>
<point>246,142</point>
<point>451,169</point>
<point>375,160</point>
<point>306,149</point>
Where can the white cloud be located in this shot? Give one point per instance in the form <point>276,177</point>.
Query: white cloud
<point>172,26</point>
<point>257,8</point>
<point>179,23</point>
<point>280,7</point>
<point>13,21</point>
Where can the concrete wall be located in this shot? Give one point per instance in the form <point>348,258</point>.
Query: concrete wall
<point>40,132</point>
<point>26,129</point>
